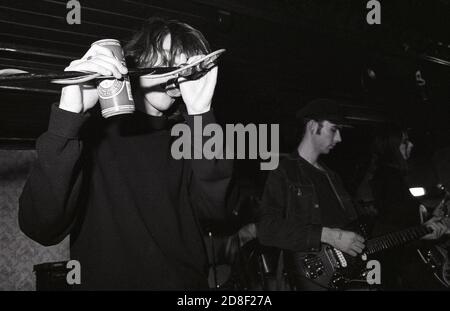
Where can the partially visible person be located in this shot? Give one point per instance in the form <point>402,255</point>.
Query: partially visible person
<point>397,209</point>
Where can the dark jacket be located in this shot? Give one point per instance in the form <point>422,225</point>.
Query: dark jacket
<point>397,209</point>
<point>291,214</point>
<point>131,209</point>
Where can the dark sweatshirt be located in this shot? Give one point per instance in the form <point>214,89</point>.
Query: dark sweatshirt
<point>133,212</point>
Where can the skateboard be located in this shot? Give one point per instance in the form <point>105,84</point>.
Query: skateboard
<point>193,70</point>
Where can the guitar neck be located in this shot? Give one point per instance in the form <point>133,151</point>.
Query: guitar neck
<point>394,239</point>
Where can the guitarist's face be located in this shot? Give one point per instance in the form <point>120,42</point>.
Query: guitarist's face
<point>326,136</point>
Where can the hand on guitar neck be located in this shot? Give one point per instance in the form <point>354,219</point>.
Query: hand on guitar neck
<point>440,222</point>
<point>439,225</point>
<point>346,241</point>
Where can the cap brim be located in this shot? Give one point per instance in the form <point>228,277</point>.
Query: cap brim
<point>341,122</point>
<point>346,125</point>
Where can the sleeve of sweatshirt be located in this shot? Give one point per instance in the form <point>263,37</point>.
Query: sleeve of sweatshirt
<point>277,229</point>
<point>210,176</point>
<point>47,205</point>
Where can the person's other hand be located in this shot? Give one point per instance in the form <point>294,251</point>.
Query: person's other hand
<point>197,94</point>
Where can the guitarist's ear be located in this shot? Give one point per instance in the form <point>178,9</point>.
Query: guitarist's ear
<point>311,126</point>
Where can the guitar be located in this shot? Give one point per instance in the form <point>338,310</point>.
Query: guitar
<point>332,269</point>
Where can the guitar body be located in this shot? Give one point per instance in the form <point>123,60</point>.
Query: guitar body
<point>436,260</point>
<point>328,268</point>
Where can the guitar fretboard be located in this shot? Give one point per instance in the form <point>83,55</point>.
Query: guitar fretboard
<point>396,239</point>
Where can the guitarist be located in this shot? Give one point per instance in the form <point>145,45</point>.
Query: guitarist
<point>304,203</point>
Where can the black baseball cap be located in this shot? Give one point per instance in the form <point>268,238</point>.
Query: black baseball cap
<point>323,109</point>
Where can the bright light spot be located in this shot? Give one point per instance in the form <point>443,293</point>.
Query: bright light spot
<point>417,191</point>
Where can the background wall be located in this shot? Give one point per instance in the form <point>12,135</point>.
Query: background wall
<point>18,253</point>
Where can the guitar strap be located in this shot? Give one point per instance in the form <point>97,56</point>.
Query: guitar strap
<point>334,190</point>
<point>293,175</point>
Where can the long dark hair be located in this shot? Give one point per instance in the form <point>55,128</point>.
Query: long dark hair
<point>384,154</point>
<point>386,148</point>
<point>145,46</point>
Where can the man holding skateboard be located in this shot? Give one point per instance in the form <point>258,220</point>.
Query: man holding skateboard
<point>133,212</point>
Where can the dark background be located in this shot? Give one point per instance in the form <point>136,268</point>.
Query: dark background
<point>280,54</point>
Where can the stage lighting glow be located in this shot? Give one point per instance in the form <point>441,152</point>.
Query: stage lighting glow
<point>417,191</point>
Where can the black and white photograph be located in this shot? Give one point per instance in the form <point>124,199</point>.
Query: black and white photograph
<point>224,151</point>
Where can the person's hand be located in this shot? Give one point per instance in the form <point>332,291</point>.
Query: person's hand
<point>82,97</point>
<point>247,233</point>
<point>438,226</point>
<point>197,94</point>
<point>346,241</point>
